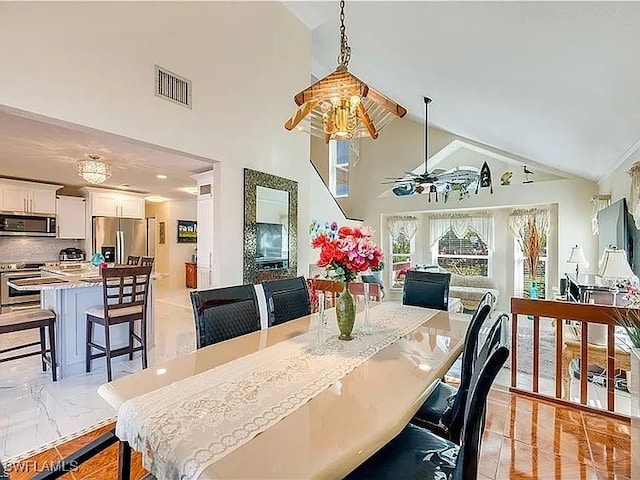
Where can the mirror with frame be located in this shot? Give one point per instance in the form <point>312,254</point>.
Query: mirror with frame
<point>270,227</point>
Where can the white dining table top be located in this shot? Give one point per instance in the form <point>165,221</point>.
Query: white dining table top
<point>340,428</point>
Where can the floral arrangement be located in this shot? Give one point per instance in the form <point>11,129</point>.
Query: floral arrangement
<point>629,319</point>
<point>379,268</point>
<point>345,251</point>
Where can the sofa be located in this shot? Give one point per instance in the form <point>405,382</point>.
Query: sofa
<point>468,288</point>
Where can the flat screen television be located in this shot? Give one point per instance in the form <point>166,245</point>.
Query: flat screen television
<point>269,238</point>
<point>616,227</point>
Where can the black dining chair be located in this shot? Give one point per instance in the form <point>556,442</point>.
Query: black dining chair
<point>443,410</point>
<point>426,289</point>
<point>287,299</point>
<point>224,313</point>
<point>3,474</point>
<point>368,278</point>
<point>419,453</point>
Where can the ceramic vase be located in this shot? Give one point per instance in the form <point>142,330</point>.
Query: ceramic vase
<point>346,313</point>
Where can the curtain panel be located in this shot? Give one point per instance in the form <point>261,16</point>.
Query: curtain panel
<point>461,225</point>
<point>407,226</point>
<point>598,202</point>
<point>634,198</point>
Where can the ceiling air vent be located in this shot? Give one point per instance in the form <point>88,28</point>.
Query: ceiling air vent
<point>172,87</point>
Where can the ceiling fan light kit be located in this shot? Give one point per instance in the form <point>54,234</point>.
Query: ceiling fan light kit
<point>340,106</point>
<point>461,179</point>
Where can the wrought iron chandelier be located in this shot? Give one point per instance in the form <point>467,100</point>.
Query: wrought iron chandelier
<point>341,106</point>
<point>94,170</point>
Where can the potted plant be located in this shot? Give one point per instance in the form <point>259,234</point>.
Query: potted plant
<point>345,252</point>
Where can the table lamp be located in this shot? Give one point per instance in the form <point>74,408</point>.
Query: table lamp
<point>615,268</point>
<point>577,257</point>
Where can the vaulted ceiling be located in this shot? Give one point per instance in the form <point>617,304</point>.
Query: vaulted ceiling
<point>554,82</point>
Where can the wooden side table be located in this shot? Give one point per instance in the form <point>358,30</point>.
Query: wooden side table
<point>191,275</point>
<point>596,355</point>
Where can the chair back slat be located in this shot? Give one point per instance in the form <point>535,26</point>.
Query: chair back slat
<point>224,313</point>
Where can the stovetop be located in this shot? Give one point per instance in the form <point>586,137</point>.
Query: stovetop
<point>4,267</point>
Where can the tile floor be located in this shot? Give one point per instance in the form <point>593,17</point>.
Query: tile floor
<point>35,411</point>
<point>524,439</point>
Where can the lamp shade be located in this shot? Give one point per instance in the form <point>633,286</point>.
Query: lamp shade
<point>614,265</point>
<point>577,256</point>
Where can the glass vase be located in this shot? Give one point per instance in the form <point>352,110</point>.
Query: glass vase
<point>346,313</point>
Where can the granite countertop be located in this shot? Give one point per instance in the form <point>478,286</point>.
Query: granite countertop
<point>65,277</point>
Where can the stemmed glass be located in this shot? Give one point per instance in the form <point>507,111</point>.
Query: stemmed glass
<point>366,323</point>
<point>322,320</point>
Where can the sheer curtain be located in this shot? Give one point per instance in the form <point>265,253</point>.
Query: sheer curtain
<point>407,226</point>
<point>634,201</point>
<point>461,225</point>
<point>530,227</point>
<point>598,202</point>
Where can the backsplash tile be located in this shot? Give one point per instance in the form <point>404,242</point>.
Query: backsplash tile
<point>33,249</point>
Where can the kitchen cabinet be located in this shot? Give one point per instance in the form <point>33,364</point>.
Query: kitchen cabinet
<point>105,203</point>
<point>28,197</point>
<point>70,213</point>
<point>191,275</point>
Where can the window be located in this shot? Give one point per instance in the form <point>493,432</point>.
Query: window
<point>522,280</point>
<point>468,255</point>
<point>401,254</point>
<point>339,167</point>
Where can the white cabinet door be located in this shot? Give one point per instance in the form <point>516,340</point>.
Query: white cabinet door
<point>205,232</point>
<point>204,278</point>
<point>71,217</point>
<point>13,198</point>
<point>131,207</point>
<point>42,201</point>
<point>104,205</point>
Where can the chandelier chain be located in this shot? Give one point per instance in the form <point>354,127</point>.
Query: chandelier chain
<point>345,49</point>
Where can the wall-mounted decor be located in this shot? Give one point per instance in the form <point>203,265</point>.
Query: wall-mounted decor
<point>270,227</point>
<point>527,172</point>
<point>163,233</point>
<point>187,231</point>
<point>505,178</point>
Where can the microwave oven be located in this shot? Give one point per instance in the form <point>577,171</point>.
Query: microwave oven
<point>27,225</point>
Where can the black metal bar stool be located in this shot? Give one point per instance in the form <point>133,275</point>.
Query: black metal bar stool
<point>125,291</point>
<point>27,320</point>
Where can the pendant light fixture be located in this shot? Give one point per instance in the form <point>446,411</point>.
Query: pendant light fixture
<point>93,170</point>
<point>340,106</point>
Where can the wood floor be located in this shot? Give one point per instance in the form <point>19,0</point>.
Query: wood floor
<point>524,439</point>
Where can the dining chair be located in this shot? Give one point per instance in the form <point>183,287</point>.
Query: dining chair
<point>224,313</point>
<point>287,299</point>
<point>133,260</point>
<point>367,278</point>
<point>426,289</point>
<point>443,410</point>
<point>357,290</point>
<point>31,319</point>
<point>3,474</point>
<point>147,261</point>
<point>330,288</point>
<point>125,292</point>
<point>419,453</point>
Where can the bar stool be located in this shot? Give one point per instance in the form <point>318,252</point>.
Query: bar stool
<point>125,293</point>
<point>133,260</point>
<point>28,320</point>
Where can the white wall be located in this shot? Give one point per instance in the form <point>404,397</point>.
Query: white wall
<point>93,64</point>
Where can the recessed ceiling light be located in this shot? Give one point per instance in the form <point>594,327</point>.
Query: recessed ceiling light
<point>161,177</point>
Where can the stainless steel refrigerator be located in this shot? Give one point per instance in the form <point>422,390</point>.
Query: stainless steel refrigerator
<point>119,237</point>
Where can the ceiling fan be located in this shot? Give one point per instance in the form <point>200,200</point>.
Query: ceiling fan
<point>461,179</point>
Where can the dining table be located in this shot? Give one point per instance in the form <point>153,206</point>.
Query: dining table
<point>287,402</point>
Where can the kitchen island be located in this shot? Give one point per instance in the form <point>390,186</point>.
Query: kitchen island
<point>69,292</point>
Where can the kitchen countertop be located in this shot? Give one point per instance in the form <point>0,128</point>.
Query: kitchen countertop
<point>64,277</point>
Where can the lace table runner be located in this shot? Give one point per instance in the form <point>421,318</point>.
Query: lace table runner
<point>184,427</point>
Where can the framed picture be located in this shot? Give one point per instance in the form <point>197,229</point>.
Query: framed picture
<point>187,231</point>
